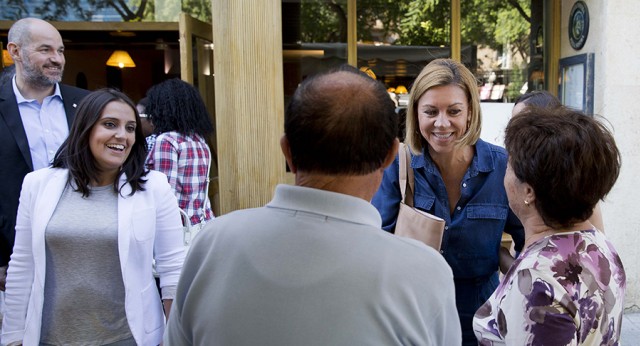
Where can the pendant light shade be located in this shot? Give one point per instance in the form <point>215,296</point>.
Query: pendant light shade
<point>121,59</point>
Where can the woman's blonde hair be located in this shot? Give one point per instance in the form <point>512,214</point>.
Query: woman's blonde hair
<point>442,72</point>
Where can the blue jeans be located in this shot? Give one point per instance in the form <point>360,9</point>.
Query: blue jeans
<point>470,295</point>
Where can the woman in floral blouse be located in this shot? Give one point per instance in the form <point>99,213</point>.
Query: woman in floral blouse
<point>568,285</point>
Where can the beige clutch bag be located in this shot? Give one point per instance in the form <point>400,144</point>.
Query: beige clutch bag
<point>414,223</point>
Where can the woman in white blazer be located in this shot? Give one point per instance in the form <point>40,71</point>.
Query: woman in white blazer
<point>87,231</point>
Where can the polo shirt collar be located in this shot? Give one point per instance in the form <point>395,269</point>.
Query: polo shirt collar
<point>326,203</point>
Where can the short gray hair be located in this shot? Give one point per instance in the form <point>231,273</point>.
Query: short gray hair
<point>20,32</point>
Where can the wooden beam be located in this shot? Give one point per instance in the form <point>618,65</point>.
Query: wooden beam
<point>552,20</point>
<point>186,42</point>
<point>456,50</point>
<point>249,94</point>
<point>352,38</point>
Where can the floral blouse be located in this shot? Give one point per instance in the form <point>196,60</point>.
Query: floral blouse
<point>565,289</point>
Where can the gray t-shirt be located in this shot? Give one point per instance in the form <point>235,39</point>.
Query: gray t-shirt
<point>84,290</point>
<point>311,268</point>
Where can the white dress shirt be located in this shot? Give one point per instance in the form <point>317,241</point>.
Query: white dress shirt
<point>45,125</point>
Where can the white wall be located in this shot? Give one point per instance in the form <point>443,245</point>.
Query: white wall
<point>495,117</point>
<point>614,36</point>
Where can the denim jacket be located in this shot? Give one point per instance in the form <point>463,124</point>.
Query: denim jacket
<point>473,232</point>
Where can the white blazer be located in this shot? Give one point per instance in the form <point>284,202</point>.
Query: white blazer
<point>148,224</point>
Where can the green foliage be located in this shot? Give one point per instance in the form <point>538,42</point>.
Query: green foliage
<point>518,76</point>
<point>376,19</point>
<point>512,29</point>
<point>14,10</point>
<point>478,21</point>
<point>199,9</point>
<point>323,21</point>
<point>425,23</point>
<point>129,10</point>
<point>493,23</point>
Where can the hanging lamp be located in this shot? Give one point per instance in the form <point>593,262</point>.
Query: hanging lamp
<point>121,59</point>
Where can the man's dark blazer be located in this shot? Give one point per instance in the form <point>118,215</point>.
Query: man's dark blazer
<point>15,158</point>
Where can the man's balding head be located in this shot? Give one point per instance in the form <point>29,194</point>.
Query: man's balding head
<point>37,49</point>
<point>341,122</point>
<point>22,30</point>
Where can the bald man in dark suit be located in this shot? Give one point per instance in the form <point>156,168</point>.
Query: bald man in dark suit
<point>35,114</point>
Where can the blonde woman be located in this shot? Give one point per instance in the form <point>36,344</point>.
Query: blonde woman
<point>459,178</point>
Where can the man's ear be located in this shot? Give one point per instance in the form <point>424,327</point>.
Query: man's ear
<point>391,155</point>
<point>286,150</point>
<point>14,51</point>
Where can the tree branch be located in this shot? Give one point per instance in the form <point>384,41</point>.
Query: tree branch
<point>342,17</point>
<point>129,15</point>
<point>520,10</point>
<point>140,11</point>
<point>115,7</point>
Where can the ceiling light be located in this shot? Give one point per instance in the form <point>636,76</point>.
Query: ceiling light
<point>121,59</point>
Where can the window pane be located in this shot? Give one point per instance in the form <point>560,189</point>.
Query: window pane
<point>314,38</point>
<point>396,39</point>
<point>500,31</point>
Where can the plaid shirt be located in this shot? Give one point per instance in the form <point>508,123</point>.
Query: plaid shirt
<point>185,159</point>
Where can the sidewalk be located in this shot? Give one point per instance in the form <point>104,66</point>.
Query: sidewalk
<point>630,335</point>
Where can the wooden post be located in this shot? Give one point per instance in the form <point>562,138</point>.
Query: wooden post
<point>186,42</point>
<point>456,50</point>
<point>352,38</point>
<point>552,21</point>
<point>249,98</point>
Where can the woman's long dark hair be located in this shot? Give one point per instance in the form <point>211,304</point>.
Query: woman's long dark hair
<point>75,153</point>
<point>175,105</point>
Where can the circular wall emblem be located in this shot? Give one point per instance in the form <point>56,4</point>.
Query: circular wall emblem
<point>578,25</point>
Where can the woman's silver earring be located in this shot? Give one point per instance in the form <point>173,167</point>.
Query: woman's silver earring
<point>526,202</point>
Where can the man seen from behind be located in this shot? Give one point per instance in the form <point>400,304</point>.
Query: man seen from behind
<point>313,266</point>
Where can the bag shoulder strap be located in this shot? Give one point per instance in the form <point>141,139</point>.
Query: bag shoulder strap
<point>402,170</point>
<point>406,178</point>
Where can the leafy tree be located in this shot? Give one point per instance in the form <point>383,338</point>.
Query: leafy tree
<point>420,22</point>
<point>14,9</point>
<point>517,78</point>
<point>84,10</point>
<point>326,20</point>
<point>129,10</point>
<point>323,21</point>
<point>199,9</point>
<point>377,20</point>
<point>513,29</point>
<point>425,23</point>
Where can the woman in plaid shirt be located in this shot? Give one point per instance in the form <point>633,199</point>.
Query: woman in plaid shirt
<point>181,123</point>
